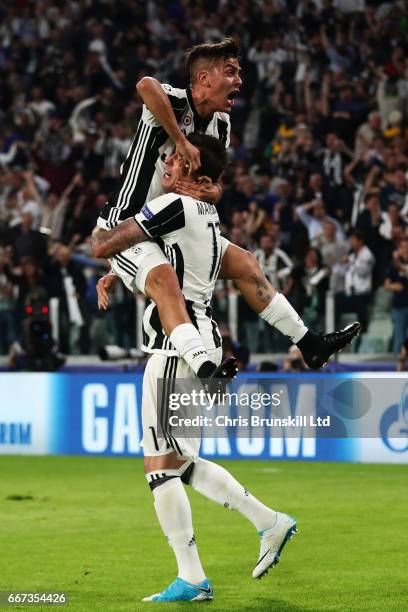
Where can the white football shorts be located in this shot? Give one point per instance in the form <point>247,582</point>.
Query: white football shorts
<point>169,368</point>
<point>134,264</point>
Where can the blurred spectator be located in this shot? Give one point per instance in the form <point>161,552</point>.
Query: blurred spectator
<point>314,222</point>
<point>334,158</point>
<point>274,262</point>
<point>358,282</point>
<point>366,134</point>
<point>369,223</point>
<point>397,282</point>
<point>66,282</point>
<point>277,266</point>
<point>7,306</point>
<point>321,119</point>
<point>395,191</point>
<point>307,289</point>
<point>29,242</point>
<point>333,252</point>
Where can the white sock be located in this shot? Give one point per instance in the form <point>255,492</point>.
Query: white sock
<point>280,314</point>
<point>187,340</point>
<point>174,513</point>
<point>220,486</point>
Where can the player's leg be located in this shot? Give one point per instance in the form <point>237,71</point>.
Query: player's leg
<point>162,286</point>
<point>274,528</point>
<point>145,268</point>
<point>273,307</point>
<point>165,472</point>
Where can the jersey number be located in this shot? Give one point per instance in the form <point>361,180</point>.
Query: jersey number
<point>216,255</point>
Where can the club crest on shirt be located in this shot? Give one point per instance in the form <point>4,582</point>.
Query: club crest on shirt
<point>187,120</point>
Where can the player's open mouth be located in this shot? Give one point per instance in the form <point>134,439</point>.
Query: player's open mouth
<point>232,95</point>
<point>167,175</point>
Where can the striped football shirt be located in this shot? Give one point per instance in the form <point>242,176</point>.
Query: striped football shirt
<point>188,232</point>
<point>143,168</point>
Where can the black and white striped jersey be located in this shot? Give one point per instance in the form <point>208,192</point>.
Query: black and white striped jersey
<point>188,232</point>
<point>142,171</point>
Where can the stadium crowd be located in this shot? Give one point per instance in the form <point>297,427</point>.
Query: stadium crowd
<point>316,187</point>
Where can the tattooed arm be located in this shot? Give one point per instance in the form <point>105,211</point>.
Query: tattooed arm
<point>243,268</point>
<point>107,243</point>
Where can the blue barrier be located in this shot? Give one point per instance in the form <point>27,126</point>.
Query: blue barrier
<point>100,414</point>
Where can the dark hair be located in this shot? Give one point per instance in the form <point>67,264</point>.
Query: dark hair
<point>213,155</point>
<point>318,255</point>
<point>358,234</point>
<point>212,52</point>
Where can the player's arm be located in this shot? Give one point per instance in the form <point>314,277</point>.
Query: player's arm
<point>157,218</point>
<point>156,100</point>
<point>106,243</point>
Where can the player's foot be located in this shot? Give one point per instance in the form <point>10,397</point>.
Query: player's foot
<point>227,369</point>
<point>180,590</point>
<point>216,378</point>
<point>329,344</point>
<point>273,541</point>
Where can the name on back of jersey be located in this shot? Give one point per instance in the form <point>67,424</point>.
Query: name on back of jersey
<point>204,208</point>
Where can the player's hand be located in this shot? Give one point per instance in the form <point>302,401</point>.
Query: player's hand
<point>104,288</point>
<point>190,155</point>
<point>206,191</point>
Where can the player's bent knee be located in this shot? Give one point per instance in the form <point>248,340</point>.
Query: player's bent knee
<point>171,461</point>
<point>159,476</point>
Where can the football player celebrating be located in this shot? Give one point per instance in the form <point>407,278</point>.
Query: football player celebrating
<point>168,115</point>
<point>189,235</point>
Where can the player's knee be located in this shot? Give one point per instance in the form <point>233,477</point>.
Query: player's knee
<point>158,479</point>
<point>159,470</point>
<point>162,282</point>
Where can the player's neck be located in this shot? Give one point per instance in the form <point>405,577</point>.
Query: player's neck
<point>202,105</point>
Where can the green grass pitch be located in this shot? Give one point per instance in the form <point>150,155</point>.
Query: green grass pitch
<point>87,527</point>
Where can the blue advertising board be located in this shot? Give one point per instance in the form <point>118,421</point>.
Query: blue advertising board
<point>100,414</point>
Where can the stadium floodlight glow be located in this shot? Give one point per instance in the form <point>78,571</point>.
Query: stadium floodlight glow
<point>112,352</point>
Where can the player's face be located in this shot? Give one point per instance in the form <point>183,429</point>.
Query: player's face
<point>174,168</point>
<point>225,83</point>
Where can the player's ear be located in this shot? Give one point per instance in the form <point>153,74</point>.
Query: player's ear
<point>203,78</point>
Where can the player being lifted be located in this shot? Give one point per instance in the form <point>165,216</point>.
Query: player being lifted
<point>188,232</point>
<point>168,116</point>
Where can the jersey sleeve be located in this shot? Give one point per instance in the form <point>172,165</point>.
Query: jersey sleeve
<point>224,128</point>
<point>162,216</point>
<point>228,137</point>
<point>178,101</point>
<point>224,245</point>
